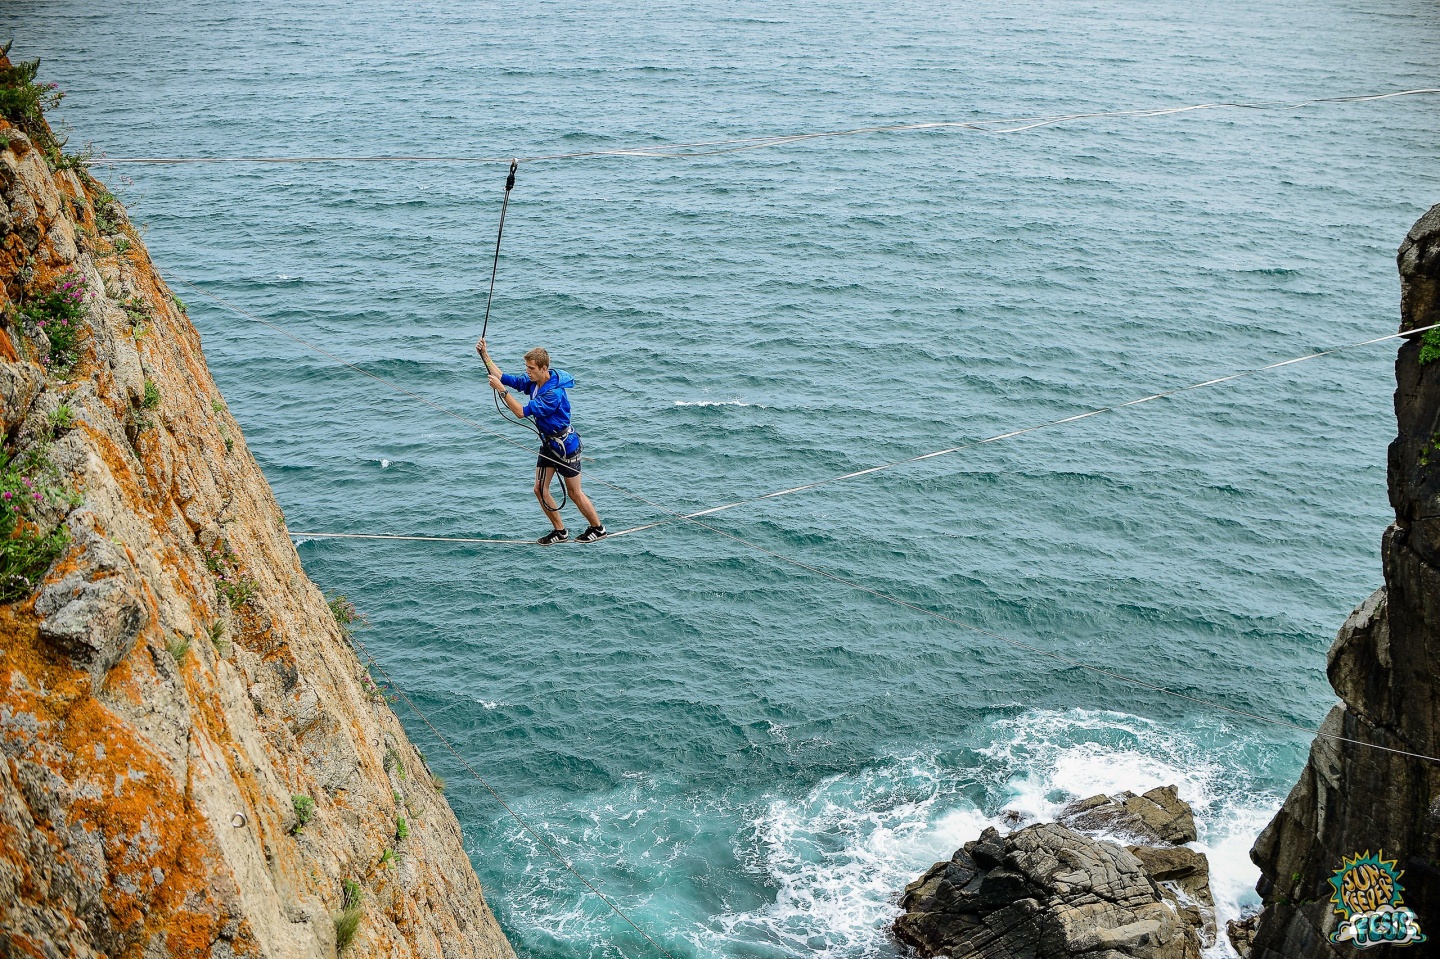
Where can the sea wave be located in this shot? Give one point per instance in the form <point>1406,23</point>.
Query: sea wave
<point>833,859</point>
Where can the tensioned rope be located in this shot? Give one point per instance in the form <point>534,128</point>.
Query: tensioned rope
<point>703,148</point>
<point>911,459</point>
<point>1057,657</point>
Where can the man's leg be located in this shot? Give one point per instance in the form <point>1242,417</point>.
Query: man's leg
<point>581,501</point>
<point>543,476</point>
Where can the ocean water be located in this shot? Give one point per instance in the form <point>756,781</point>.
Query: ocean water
<point>751,760</point>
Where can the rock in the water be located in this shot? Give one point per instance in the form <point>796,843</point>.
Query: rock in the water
<point>1242,933</point>
<point>1184,878</point>
<point>1158,816</point>
<point>1045,892</point>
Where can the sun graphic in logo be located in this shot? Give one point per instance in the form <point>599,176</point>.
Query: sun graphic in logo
<point>1364,884</point>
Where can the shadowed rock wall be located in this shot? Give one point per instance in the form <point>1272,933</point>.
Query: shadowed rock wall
<point>1385,665</point>
<point>174,680</point>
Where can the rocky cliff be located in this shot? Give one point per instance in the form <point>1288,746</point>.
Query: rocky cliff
<point>195,763</point>
<point>1385,665</point>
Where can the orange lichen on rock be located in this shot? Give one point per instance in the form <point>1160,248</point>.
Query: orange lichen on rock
<point>174,680</point>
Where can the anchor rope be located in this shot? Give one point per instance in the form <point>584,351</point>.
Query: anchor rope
<point>704,148</point>
<point>710,511</point>
<point>501,408</point>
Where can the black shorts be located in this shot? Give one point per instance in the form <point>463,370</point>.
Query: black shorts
<point>551,458</point>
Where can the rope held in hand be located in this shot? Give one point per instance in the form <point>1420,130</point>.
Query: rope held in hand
<point>485,327</point>
<point>495,266</point>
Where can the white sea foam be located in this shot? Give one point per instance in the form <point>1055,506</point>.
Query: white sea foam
<point>1062,756</point>
<point>1232,875</point>
<point>838,856</point>
<point>826,867</point>
<point>736,402</point>
<point>384,464</point>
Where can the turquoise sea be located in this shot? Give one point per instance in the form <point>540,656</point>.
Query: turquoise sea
<point>752,760</point>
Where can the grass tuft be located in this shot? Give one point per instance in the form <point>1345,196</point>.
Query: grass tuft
<point>179,647</point>
<point>347,921</point>
<point>62,419</point>
<point>217,636</point>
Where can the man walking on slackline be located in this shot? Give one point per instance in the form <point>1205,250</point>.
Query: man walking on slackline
<point>549,407</point>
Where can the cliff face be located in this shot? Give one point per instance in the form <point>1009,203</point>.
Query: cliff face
<point>195,763</point>
<point>1385,666</point>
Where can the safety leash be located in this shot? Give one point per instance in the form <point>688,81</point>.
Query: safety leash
<point>495,269</point>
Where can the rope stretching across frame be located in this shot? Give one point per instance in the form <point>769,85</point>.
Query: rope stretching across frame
<point>704,148</point>
<point>1026,647</point>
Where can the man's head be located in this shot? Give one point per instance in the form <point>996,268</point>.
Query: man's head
<point>537,365</point>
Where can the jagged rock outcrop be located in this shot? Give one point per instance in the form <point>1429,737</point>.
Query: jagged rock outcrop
<point>194,761</point>
<point>1385,666</point>
<point>1050,892</point>
<point>1157,817</point>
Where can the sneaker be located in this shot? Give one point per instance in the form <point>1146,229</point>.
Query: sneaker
<point>591,534</point>
<point>554,536</point>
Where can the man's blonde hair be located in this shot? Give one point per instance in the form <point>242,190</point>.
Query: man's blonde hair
<point>539,357</point>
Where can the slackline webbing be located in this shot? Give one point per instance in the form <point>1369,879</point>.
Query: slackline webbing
<point>789,491</point>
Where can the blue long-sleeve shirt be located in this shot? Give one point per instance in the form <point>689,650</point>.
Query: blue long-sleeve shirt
<point>549,405</point>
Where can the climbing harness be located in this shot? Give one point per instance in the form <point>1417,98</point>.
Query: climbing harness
<point>555,448</point>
